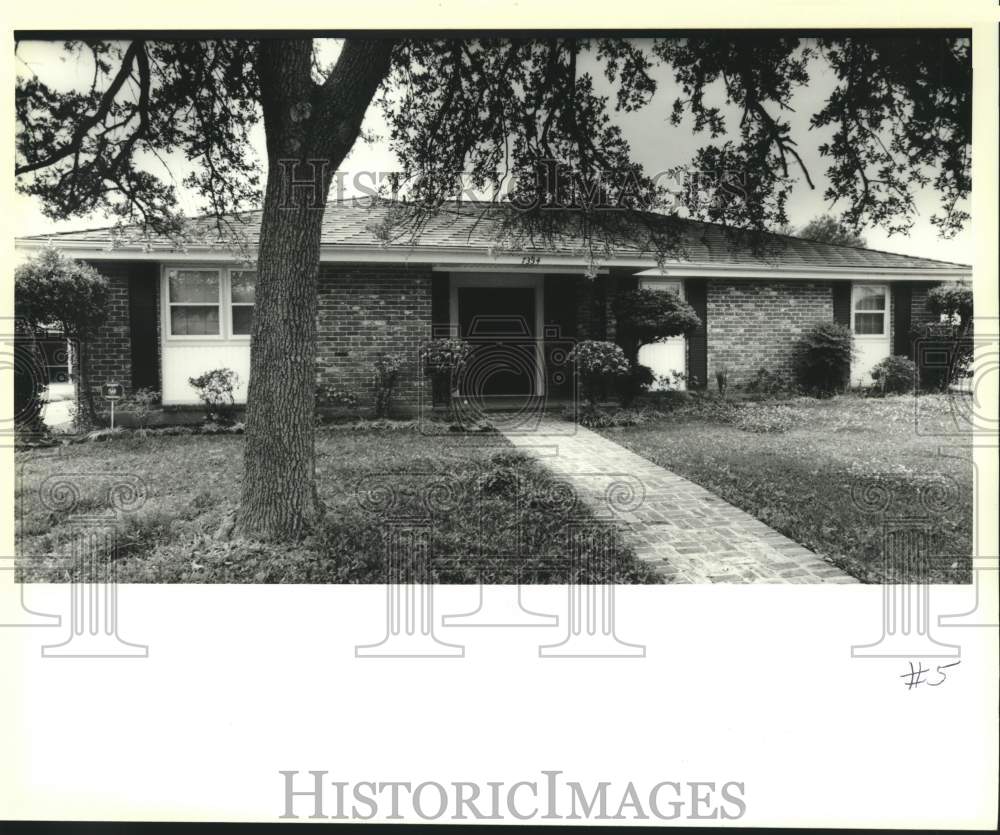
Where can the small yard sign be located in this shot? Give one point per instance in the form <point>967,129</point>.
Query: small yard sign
<point>112,392</point>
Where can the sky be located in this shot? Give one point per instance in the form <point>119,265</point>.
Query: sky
<point>655,143</point>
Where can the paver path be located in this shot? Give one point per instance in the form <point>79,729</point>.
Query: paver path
<point>688,533</point>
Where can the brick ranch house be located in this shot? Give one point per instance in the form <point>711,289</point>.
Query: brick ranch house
<point>177,312</point>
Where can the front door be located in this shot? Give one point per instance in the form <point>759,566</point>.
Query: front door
<point>500,324</point>
<point>870,324</point>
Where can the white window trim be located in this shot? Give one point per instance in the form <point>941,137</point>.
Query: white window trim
<point>886,321</point>
<point>225,333</point>
<point>237,337</point>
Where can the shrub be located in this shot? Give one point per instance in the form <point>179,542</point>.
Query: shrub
<point>768,383</point>
<point>387,369</point>
<point>645,316</point>
<point>597,364</point>
<point>140,404</point>
<point>953,301</point>
<point>215,389</point>
<point>595,418</point>
<point>945,354</point>
<point>335,396</point>
<point>29,380</point>
<point>445,354</point>
<point>631,385</point>
<point>673,381</point>
<point>443,360</point>
<point>895,375</point>
<point>52,289</point>
<point>946,351</point>
<point>722,379</point>
<point>823,358</point>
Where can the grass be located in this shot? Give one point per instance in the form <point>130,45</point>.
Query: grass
<point>472,493</point>
<point>827,473</point>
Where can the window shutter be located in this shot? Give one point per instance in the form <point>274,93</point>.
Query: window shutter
<point>842,303</point>
<point>902,298</point>
<point>696,293</point>
<point>143,286</point>
<point>440,304</point>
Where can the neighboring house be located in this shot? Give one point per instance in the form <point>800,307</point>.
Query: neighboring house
<point>177,312</point>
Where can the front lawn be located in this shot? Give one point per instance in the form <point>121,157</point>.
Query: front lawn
<point>472,492</point>
<point>827,473</point>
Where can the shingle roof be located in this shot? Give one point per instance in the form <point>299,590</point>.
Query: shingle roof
<point>474,226</point>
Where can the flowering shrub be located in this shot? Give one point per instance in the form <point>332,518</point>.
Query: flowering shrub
<point>443,359</point>
<point>336,396</point>
<point>597,363</point>
<point>894,375</point>
<point>450,353</point>
<point>673,381</point>
<point>215,389</point>
<point>387,369</point>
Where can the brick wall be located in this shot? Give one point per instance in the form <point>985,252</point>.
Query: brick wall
<point>755,324</point>
<point>919,314</point>
<point>110,352</point>
<point>368,310</point>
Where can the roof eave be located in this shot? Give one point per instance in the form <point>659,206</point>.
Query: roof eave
<point>458,257</point>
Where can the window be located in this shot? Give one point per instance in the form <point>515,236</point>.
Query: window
<point>241,287</point>
<point>868,309</point>
<point>198,298</point>
<point>669,284</point>
<point>193,298</point>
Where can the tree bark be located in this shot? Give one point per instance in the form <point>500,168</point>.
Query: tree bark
<point>309,129</point>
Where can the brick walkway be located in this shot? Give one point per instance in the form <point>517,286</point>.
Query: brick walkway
<point>688,533</point>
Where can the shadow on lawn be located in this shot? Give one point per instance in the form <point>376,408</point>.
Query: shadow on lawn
<point>490,515</point>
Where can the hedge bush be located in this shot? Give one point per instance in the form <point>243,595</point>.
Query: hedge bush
<point>598,364</point>
<point>895,375</point>
<point>822,358</point>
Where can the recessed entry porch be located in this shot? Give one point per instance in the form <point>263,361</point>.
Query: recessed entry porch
<point>523,325</point>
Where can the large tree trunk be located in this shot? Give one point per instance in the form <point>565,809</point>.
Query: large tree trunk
<point>309,128</point>
<point>279,498</point>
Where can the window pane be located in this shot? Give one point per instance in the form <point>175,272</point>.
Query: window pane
<point>870,299</point>
<point>194,286</point>
<point>869,323</point>
<point>194,321</point>
<point>242,319</point>
<point>243,286</point>
<point>659,284</point>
